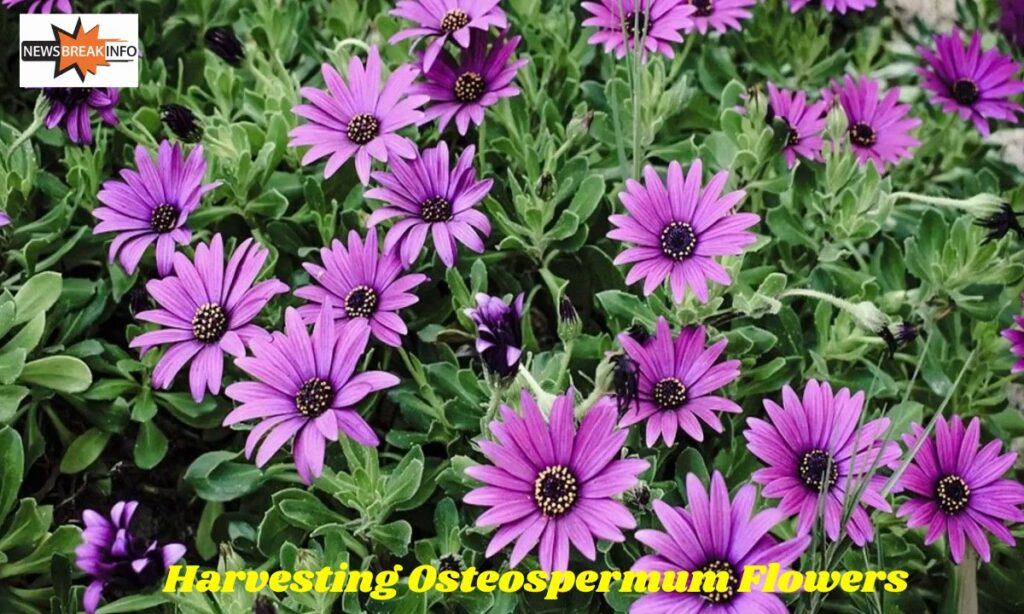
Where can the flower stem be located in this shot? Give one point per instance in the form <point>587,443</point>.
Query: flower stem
<point>32,128</point>
<point>966,584</point>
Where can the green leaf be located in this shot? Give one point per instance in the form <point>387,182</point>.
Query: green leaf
<point>84,450</point>
<point>28,337</point>
<point>150,446</point>
<point>63,540</point>
<point>12,468</point>
<point>10,400</point>
<point>215,477</point>
<point>395,536</point>
<point>133,603</point>
<point>11,365</point>
<point>37,295</point>
<point>61,373</point>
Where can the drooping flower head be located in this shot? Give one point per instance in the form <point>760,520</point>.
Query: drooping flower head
<point>71,108</point>
<point>1016,338</point>
<point>813,447</point>
<point>206,310</point>
<point>654,25</point>
<point>182,122</point>
<point>677,379</point>
<point>358,117</point>
<point>41,6</point>
<point>974,83</point>
<point>428,196</point>
<point>835,6</point>
<point>806,123</point>
<point>306,390</point>
<point>444,19</point>
<point>224,43</point>
<point>878,128</point>
<point>152,203</point>
<point>462,89</point>
<point>957,490</point>
<point>551,483</point>
<point>117,560</point>
<point>1011,21</point>
<point>499,338</point>
<point>719,15</point>
<point>677,232</point>
<point>714,534</point>
<point>361,283</point>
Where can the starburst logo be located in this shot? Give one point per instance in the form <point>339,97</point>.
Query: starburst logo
<point>84,50</point>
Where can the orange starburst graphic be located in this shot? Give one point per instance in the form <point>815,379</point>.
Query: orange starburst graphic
<point>82,51</point>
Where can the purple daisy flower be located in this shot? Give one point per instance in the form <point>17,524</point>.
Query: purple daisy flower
<point>655,24</point>
<point>117,559</point>
<point>975,84</point>
<point>362,283</point>
<point>714,534</point>
<point>806,123</point>
<point>4,219</point>
<point>815,445</point>
<point>957,490</point>
<point>678,232</point>
<point>1016,338</point>
<point>70,107</point>
<point>676,380</point>
<point>151,204</point>
<point>835,6</point>
<point>206,310</point>
<point>359,117</point>
<point>1011,21</point>
<point>461,89</point>
<point>553,484</point>
<point>879,128</point>
<point>499,338</point>
<point>42,6</point>
<point>444,19</point>
<point>719,14</point>
<point>427,195</point>
<point>306,388</point>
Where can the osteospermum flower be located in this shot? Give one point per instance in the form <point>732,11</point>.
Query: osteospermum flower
<point>427,195</point>
<point>806,123</point>
<point>206,310</point>
<point>551,483</point>
<point>714,534</point>
<point>461,89</point>
<point>973,83</point>
<point>878,128</point>
<point>444,19</point>
<point>676,380</point>
<point>814,448</point>
<point>1011,21</point>
<point>306,390</point>
<point>652,24</point>
<point>41,6</point>
<point>4,219</point>
<point>957,490</point>
<point>362,283</point>
<point>358,117</point>
<point>836,6</point>
<point>118,560</point>
<point>677,232</point>
<point>1016,338</point>
<point>151,204</point>
<point>499,338</point>
<point>719,15</point>
<point>71,108</point>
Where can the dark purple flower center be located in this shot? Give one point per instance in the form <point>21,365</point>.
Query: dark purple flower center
<point>314,397</point>
<point>720,596</point>
<point>436,209</point>
<point>209,323</point>
<point>362,128</point>
<point>164,218</point>
<point>862,134</point>
<point>678,240</point>
<point>817,468</point>
<point>453,20</point>
<point>555,490</point>
<point>952,494</point>
<point>794,137</point>
<point>469,87</point>
<point>360,302</point>
<point>965,92</point>
<point>449,562</point>
<point>636,22</point>
<point>669,394</point>
<point>704,7</point>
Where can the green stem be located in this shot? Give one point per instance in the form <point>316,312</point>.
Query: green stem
<point>34,127</point>
<point>966,585</point>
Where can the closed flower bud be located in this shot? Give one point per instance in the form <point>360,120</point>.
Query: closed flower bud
<point>182,122</point>
<point>569,324</point>
<point>223,42</point>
